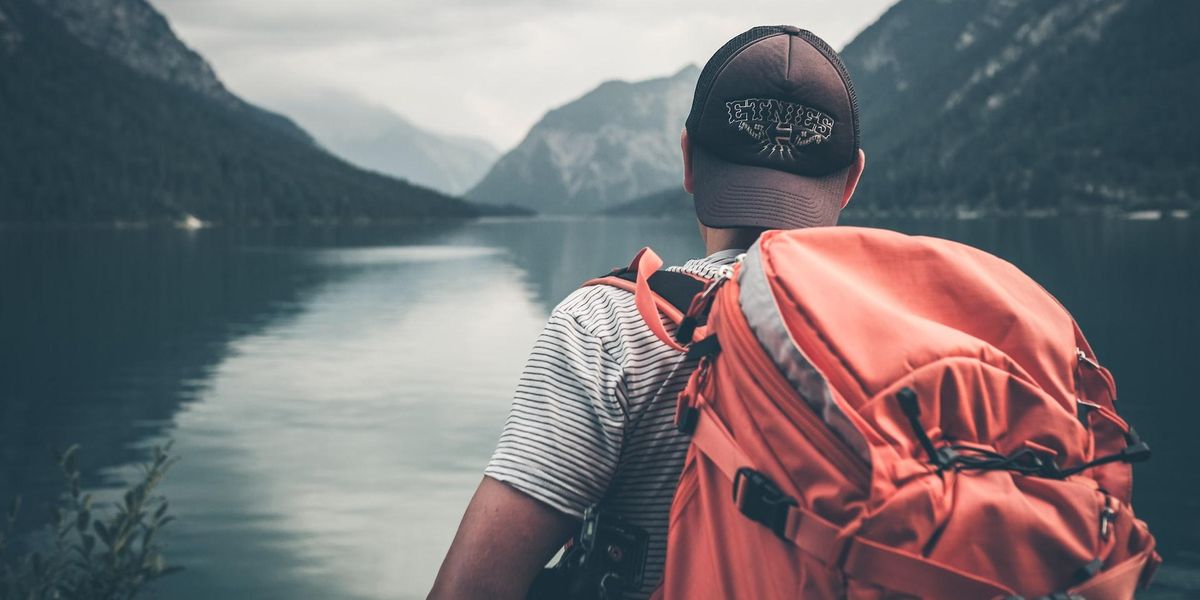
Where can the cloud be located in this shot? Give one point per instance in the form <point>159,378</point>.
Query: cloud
<point>475,67</point>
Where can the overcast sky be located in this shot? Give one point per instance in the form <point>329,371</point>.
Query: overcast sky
<point>485,68</point>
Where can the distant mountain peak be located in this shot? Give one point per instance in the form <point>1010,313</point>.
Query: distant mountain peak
<point>618,141</point>
<point>377,138</point>
<point>689,71</point>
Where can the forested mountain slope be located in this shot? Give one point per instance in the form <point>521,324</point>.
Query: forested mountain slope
<point>1030,103</point>
<point>105,116</point>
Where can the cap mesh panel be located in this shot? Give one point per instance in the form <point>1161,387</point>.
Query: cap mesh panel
<point>836,60</point>
<point>714,65</point>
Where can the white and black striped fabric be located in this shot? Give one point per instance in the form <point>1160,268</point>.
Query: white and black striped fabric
<point>593,417</point>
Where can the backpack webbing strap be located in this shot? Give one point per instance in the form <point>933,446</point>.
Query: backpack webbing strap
<point>676,288</point>
<point>869,561</point>
<point>864,559</point>
<point>655,292</point>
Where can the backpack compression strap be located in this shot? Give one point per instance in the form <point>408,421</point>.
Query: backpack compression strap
<point>655,291</point>
<point>865,559</point>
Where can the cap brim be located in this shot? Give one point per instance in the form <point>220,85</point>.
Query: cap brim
<point>732,195</point>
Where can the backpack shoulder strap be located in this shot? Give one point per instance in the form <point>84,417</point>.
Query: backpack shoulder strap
<point>671,292</point>
<point>676,288</point>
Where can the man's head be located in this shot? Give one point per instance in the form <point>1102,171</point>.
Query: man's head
<point>772,140</point>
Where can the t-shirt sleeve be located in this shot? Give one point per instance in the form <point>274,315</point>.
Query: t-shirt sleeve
<point>562,441</point>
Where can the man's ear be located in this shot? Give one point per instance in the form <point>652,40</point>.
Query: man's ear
<point>856,171</point>
<point>685,145</point>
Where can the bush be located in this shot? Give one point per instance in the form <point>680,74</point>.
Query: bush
<point>88,552</point>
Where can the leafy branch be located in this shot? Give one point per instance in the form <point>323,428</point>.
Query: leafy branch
<point>91,554</point>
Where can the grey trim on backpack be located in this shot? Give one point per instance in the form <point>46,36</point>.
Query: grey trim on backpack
<point>762,314</point>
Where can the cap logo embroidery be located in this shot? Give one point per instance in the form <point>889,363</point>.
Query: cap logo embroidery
<point>780,127</point>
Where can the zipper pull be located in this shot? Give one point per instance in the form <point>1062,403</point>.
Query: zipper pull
<point>1107,515</point>
<point>1083,359</point>
<point>726,271</point>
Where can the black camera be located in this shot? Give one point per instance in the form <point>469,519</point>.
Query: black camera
<point>606,559</point>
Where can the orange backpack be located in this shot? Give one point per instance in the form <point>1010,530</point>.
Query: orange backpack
<point>877,415</point>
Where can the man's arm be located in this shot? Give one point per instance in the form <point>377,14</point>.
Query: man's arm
<point>556,456</point>
<point>504,540</point>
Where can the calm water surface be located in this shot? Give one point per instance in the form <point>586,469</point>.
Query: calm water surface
<point>335,393</point>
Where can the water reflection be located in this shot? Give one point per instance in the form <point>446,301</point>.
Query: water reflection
<point>107,333</point>
<point>556,255</point>
<point>358,423</point>
<point>335,392</point>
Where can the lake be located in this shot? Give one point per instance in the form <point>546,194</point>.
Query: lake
<point>334,393</point>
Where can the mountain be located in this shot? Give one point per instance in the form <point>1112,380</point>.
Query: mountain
<point>618,141</point>
<point>1024,104</point>
<point>1015,104</point>
<point>673,201</point>
<point>106,116</point>
<point>375,138</point>
<point>136,35</point>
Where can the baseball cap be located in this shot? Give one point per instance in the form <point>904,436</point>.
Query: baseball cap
<point>774,131</point>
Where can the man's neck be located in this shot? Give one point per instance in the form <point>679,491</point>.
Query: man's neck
<point>716,240</point>
<point>726,253</point>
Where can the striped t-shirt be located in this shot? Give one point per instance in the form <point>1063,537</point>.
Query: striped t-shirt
<point>593,417</point>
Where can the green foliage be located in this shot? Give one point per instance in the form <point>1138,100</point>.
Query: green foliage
<point>92,553</point>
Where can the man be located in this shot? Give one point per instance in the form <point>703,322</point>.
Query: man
<point>771,142</point>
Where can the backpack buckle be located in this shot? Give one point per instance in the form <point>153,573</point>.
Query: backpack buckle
<point>759,499</point>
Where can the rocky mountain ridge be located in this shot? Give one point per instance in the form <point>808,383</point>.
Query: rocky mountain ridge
<point>616,142</point>
<point>1019,104</point>
<point>135,34</point>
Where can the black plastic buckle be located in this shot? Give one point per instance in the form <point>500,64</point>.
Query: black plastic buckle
<point>708,346</point>
<point>757,497</point>
<point>689,416</point>
<point>686,330</point>
<point>1139,452</point>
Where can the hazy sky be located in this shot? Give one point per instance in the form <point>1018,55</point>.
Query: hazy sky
<point>486,68</point>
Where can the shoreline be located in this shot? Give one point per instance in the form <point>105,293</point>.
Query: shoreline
<point>969,214</point>
<point>192,223</point>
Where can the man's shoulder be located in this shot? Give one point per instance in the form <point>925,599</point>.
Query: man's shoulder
<point>592,301</point>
